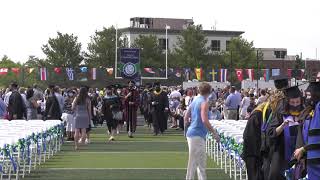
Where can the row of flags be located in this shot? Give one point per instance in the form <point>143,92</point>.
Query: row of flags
<point>214,74</point>
<point>43,72</point>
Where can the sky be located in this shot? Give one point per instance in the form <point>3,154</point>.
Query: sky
<point>25,25</point>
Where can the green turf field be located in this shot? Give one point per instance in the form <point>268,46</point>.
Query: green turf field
<point>144,157</point>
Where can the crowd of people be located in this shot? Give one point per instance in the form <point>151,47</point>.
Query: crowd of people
<point>281,137</point>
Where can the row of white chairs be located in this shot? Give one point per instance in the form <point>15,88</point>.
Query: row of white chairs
<point>26,144</point>
<point>227,151</point>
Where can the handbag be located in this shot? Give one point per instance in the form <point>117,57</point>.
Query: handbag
<point>117,115</point>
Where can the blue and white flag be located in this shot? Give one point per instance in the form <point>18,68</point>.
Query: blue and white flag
<point>275,72</point>
<point>223,75</point>
<point>84,69</point>
<point>70,73</point>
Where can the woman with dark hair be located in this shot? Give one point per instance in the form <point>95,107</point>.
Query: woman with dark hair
<point>52,110</point>
<point>82,109</point>
<point>31,105</point>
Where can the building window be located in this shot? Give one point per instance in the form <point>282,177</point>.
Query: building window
<point>227,45</point>
<point>280,54</point>
<point>162,43</point>
<point>215,45</point>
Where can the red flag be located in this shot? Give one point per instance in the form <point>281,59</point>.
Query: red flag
<point>289,73</point>
<point>239,74</point>
<point>43,74</point>
<point>149,70</point>
<point>57,70</point>
<point>250,73</point>
<point>3,71</point>
<point>15,70</point>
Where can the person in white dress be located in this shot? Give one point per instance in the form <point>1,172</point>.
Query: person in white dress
<point>245,103</point>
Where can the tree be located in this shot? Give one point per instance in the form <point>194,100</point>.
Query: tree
<point>191,48</point>
<point>242,54</point>
<point>151,54</point>
<point>298,65</point>
<point>63,50</point>
<point>102,48</point>
<point>10,77</point>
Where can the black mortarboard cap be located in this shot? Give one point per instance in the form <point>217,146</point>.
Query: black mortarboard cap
<point>293,92</point>
<point>131,81</point>
<point>14,84</point>
<point>281,81</point>
<point>51,86</point>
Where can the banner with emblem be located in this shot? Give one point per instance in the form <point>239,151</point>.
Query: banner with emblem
<point>70,73</point>
<point>130,63</point>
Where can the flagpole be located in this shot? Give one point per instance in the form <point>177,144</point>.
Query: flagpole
<point>166,51</point>
<point>257,70</point>
<point>116,55</point>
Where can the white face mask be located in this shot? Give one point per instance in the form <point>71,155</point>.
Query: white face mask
<point>119,92</point>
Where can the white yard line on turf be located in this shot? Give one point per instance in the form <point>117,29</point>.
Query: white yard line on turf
<point>57,169</point>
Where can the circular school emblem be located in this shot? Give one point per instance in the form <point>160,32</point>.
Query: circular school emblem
<point>129,69</point>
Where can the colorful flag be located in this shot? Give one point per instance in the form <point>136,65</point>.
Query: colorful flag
<point>214,74</point>
<point>289,72</point>
<point>250,73</point>
<point>149,70</point>
<point>239,73</point>
<point>30,70</point>
<point>266,74</point>
<point>223,75</point>
<point>70,73</point>
<point>43,74</point>
<point>84,69</point>
<point>57,70</point>
<point>3,71</point>
<point>275,72</point>
<point>199,73</point>
<point>16,71</point>
<point>187,74</point>
<point>109,71</point>
<point>94,73</point>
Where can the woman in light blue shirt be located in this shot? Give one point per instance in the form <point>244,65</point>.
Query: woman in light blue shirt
<point>197,116</point>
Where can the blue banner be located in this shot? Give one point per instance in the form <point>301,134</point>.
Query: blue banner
<point>130,63</point>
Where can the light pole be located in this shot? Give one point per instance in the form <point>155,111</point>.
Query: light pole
<point>167,27</point>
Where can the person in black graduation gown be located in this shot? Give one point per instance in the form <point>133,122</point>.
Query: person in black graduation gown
<point>256,151</point>
<point>159,102</point>
<point>146,104</point>
<point>308,142</point>
<point>283,130</point>
<point>52,110</point>
<point>16,105</point>
<point>252,154</point>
